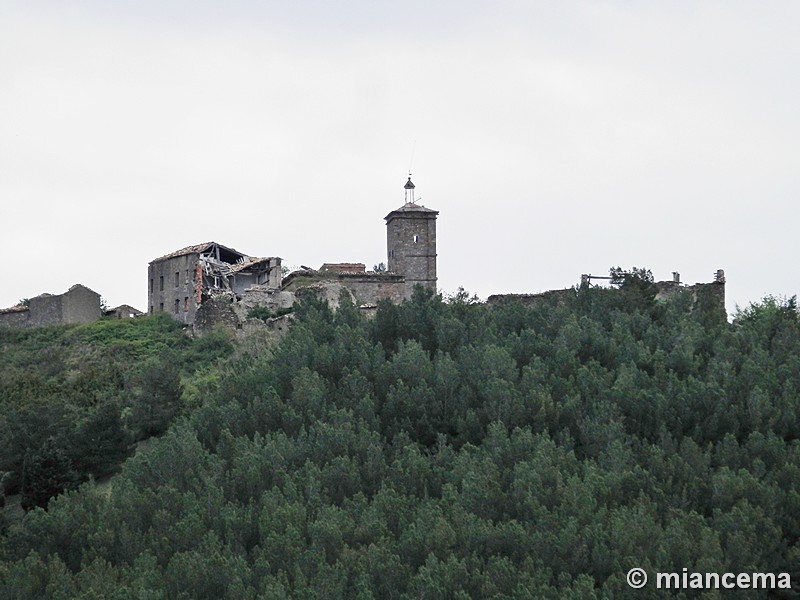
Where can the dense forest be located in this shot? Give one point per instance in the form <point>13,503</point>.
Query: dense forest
<point>442,449</point>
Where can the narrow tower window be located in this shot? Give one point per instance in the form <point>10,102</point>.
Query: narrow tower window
<point>416,239</point>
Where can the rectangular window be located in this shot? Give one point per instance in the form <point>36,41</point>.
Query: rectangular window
<point>186,304</point>
<point>161,306</point>
<point>151,285</point>
<point>177,278</point>
<point>151,309</point>
<point>161,284</point>
<point>177,305</point>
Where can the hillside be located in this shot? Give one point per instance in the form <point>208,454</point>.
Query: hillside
<point>73,399</point>
<point>444,449</point>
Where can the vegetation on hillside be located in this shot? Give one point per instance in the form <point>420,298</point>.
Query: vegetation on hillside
<point>73,399</point>
<point>444,449</point>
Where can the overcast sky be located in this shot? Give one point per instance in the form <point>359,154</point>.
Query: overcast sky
<point>555,138</point>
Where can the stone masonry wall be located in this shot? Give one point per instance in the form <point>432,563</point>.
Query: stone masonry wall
<point>45,310</point>
<point>80,305</point>
<point>77,305</point>
<point>411,247</point>
<point>14,318</point>
<point>366,288</point>
<point>177,298</point>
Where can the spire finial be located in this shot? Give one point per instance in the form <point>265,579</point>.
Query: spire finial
<point>409,188</point>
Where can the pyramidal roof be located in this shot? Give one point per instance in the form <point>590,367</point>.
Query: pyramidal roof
<point>411,207</point>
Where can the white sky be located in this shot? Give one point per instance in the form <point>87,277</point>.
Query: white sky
<point>555,138</point>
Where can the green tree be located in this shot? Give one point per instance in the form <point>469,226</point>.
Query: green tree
<point>46,472</point>
<point>158,398</point>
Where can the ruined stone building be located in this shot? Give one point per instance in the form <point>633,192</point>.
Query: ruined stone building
<point>704,296</point>
<point>210,283</point>
<point>181,281</point>
<point>411,261</point>
<point>123,311</point>
<point>79,304</point>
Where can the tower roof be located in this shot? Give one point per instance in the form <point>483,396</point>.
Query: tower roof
<point>411,205</point>
<point>409,208</point>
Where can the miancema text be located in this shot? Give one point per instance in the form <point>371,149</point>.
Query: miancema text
<point>709,581</point>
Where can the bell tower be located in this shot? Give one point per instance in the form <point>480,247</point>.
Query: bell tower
<point>411,242</point>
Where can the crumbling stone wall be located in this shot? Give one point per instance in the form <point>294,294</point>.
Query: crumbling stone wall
<point>14,318</point>
<point>179,298</point>
<point>224,309</point>
<point>556,296</point>
<point>79,304</point>
<point>272,299</point>
<point>218,311</point>
<point>707,297</point>
<point>45,310</point>
<point>365,288</point>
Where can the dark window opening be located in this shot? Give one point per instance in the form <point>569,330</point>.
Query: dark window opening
<point>177,278</point>
<point>186,304</point>
<point>161,284</point>
<point>177,305</point>
<point>151,286</point>
<point>161,306</point>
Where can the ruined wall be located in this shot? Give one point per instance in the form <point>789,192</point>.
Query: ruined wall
<point>218,311</point>
<point>242,281</point>
<point>77,305</point>
<point>224,310</point>
<point>45,310</point>
<point>708,297</point>
<point>80,305</point>
<point>14,318</point>
<point>263,273</point>
<point>344,268</point>
<point>267,297</point>
<point>123,311</point>
<point>556,296</point>
<point>172,287</point>
<point>365,288</point>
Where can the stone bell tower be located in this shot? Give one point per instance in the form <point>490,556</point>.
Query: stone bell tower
<point>411,242</point>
